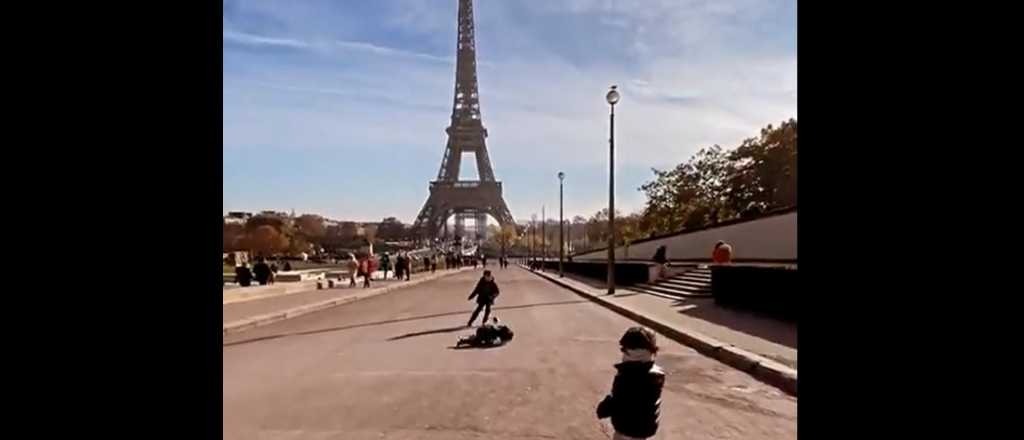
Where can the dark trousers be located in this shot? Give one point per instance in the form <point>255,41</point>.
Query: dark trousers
<point>366,280</point>
<point>487,313</point>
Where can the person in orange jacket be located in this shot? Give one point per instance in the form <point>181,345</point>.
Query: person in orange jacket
<point>722,253</point>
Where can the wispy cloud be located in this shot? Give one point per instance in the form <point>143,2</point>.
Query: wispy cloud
<point>328,46</point>
<point>257,40</point>
<point>381,50</point>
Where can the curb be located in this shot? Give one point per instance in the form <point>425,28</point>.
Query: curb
<point>270,318</point>
<point>761,368</point>
<point>286,288</point>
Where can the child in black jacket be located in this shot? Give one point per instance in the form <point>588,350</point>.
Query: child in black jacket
<point>488,335</point>
<point>634,404</point>
<point>485,292</point>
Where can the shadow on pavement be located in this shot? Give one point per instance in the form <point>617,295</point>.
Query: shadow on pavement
<point>470,347</point>
<point>767,328</point>
<point>466,312</point>
<point>429,332</point>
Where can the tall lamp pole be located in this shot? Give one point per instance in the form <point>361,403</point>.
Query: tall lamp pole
<point>543,238</point>
<point>613,98</point>
<point>561,224</point>
<point>533,239</point>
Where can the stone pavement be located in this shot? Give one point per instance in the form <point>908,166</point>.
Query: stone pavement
<point>743,340</point>
<point>386,368</point>
<point>242,315</point>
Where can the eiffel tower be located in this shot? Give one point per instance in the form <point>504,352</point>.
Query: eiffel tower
<point>448,195</point>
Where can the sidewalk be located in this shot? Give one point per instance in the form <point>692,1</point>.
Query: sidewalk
<point>763,347</point>
<point>238,316</point>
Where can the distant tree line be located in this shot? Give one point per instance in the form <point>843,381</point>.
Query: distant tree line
<point>267,234</point>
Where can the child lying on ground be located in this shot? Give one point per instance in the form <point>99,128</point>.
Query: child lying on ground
<point>488,335</point>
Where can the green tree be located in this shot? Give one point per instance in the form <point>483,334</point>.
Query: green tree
<point>311,227</point>
<point>390,229</point>
<point>715,185</point>
<point>265,240</point>
<point>765,170</point>
<point>233,235</point>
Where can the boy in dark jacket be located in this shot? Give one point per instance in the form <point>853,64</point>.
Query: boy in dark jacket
<point>485,292</point>
<point>635,401</point>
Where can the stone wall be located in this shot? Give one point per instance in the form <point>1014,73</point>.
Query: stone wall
<point>772,238</point>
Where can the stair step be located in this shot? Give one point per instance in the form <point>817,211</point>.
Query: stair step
<point>684,283</point>
<point>678,287</point>
<point>672,291</point>
<point>693,277</point>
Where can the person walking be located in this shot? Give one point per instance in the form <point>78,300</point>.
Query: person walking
<point>408,267</point>
<point>243,276</point>
<point>364,270</point>
<point>399,265</point>
<point>385,264</point>
<point>353,269</point>
<point>485,292</point>
<point>634,405</point>
<point>261,272</point>
<point>661,258</point>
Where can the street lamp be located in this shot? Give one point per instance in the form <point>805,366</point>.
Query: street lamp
<point>543,238</point>
<point>533,241</point>
<point>613,98</point>
<point>561,225</point>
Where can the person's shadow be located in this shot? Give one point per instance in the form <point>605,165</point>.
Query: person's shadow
<point>481,347</point>
<point>429,332</point>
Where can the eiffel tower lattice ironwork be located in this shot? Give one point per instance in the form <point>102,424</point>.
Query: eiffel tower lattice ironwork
<point>449,195</point>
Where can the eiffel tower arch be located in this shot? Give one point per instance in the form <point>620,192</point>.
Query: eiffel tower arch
<point>466,134</point>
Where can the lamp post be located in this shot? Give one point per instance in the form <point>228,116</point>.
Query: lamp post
<point>543,238</point>
<point>561,224</point>
<point>613,98</point>
<point>533,241</point>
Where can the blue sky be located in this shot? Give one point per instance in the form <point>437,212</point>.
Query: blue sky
<point>338,107</point>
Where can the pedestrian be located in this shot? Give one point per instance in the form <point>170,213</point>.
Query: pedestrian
<point>662,260</point>
<point>273,273</point>
<point>433,264</point>
<point>287,266</point>
<point>364,270</point>
<point>408,266</point>
<point>353,269</point>
<point>634,404</point>
<point>722,253</point>
<point>385,264</point>
<point>485,292</point>
<point>261,272</point>
<point>243,276</point>
<point>399,266</point>
<point>483,259</point>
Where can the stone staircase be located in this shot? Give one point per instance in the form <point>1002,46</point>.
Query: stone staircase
<point>695,282</point>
